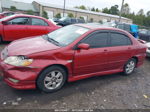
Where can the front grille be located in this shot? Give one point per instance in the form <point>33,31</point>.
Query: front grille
<point>4,54</point>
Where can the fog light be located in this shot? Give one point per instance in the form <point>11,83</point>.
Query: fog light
<point>13,80</point>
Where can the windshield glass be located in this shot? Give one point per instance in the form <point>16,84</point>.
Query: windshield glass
<point>66,35</point>
<point>7,17</point>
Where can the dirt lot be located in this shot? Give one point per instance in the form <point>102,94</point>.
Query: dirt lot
<point>104,92</point>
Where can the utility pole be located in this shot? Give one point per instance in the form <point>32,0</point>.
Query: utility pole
<point>121,11</point>
<point>64,8</point>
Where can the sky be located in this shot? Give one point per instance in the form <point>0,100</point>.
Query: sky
<point>135,5</point>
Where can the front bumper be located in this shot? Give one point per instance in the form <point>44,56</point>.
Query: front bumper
<point>26,77</point>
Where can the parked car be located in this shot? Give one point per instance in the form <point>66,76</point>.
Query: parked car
<point>56,19</point>
<point>21,26</point>
<point>131,28</point>
<point>68,54</point>
<point>7,13</point>
<point>67,21</point>
<point>145,35</point>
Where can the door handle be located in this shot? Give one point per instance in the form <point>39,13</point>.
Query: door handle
<point>105,50</point>
<point>129,48</point>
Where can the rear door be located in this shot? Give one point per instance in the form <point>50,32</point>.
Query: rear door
<point>95,59</point>
<point>16,28</point>
<point>120,50</point>
<point>39,27</point>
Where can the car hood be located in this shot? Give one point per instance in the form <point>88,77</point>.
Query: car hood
<point>30,46</point>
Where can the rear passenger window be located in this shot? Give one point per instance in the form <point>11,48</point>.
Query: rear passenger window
<point>119,40</point>
<point>39,22</point>
<point>97,40</point>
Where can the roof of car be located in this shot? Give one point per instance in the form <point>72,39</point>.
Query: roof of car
<point>26,15</point>
<point>100,27</point>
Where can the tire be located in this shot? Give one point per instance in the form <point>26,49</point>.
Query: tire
<point>130,66</point>
<point>1,40</point>
<point>51,79</point>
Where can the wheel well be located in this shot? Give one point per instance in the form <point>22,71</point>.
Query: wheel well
<point>134,57</point>
<point>62,66</point>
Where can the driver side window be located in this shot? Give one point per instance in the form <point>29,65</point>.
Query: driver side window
<point>19,21</point>
<point>97,40</point>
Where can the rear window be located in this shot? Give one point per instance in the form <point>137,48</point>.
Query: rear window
<point>39,22</point>
<point>118,39</point>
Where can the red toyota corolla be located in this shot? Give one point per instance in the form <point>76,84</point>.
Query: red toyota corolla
<point>20,26</point>
<point>68,54</point>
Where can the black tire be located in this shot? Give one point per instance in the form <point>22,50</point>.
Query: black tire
<point>132,68</point>
<point>42,77</point>
<point>1,40</point>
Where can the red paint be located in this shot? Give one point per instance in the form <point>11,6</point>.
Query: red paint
<point>85,63</point>
<point>12,32</point>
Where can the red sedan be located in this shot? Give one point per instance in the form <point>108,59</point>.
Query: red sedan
<point>20,26</point>
<point>68,54</point>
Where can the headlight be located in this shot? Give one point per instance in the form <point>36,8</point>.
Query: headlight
<point>18,61</point>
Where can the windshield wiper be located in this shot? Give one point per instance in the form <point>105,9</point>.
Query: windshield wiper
<point>53,41</point>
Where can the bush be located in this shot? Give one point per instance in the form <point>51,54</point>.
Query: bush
<point>45,15</point>
<point>13,8</point>
<point>30,12</point>
<point>58,15</point>
<point>70,15</point>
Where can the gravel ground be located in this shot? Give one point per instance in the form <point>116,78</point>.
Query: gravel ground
<point>104,92</point>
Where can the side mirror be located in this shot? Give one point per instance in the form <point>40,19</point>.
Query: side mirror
<point>4,22</point>
<point>84,46</point>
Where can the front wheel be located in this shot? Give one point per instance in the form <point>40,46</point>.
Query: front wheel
<point>52,79</point>
<point>130,66</point>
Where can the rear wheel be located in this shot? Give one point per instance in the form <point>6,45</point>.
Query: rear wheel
<point>130,66</point>
<point>52,79</point>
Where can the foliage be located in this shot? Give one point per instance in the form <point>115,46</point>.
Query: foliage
<point>45,15</point>
<point>30,12</point>
<point>81,7</point>
<point>58,15</point>
<point>81,17</point>
<point>91,19</point>
<point>13,8</point>
<point>70,15</point>
<point>93,9</point>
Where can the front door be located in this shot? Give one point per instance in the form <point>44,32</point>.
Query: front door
<point>95,58</point>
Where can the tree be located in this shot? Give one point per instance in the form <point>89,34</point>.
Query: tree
<point>93,9</point>
<point>81,7</point>
<point>13,8</point>
<point>30,12</point>
<point>81,17</point>
<point>126,9</point>
<point>141,12</point>
<point>106,10</point>
<point>45,15</point>
<point>114,10</point>
<point>70,15</point>
<point>58,15</point>
<point>148,13</point>
<point>97,10</point>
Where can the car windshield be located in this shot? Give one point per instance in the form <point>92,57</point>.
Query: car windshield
<point>66,35</point>
<point>7,17</point>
